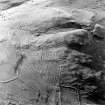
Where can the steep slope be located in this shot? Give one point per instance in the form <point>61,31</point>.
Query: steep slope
<point>52,53</point>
